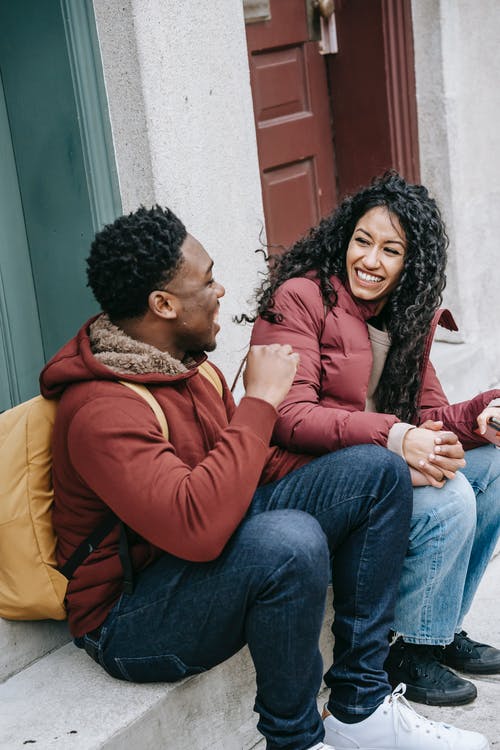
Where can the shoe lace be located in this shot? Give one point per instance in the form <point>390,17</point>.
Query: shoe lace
<point>466,644</point>
<point>404,715</point>
<point>425,662</point>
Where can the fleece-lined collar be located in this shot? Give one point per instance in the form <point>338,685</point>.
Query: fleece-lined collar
<point>124,355</point>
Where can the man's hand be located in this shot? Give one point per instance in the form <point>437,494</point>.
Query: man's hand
<point>269,372</point>
<point>435,453</point>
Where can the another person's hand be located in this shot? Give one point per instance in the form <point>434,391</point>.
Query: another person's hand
<point>482,419</point>
<point>269,372</point>
<point>435,453</point>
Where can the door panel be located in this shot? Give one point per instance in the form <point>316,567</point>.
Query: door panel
<point>295,184</point>
<point>21,352</point>
<point>292,116</point>
<point>288,25</point>
<point>368,89</point>
<point>279,84</point>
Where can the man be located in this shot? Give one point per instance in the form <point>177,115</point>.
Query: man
<point>230,539</point>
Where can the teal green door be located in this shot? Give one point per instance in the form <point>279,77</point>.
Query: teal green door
<point>21,350</point>
<point>58,182</point>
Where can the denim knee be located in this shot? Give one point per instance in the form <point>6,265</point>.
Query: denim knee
<point>291,537</point>
<point>462,497</point>
<point>453,505</point>
<point>394,474</point>
<point>392,467</point>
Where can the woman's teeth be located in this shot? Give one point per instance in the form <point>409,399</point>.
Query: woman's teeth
<point>367,277</point>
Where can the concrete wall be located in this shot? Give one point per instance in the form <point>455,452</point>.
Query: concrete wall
<point>181,112</point>
<point>457,69</point>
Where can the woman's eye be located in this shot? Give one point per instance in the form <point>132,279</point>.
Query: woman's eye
<point>392,251</point>
<point>362,240</point>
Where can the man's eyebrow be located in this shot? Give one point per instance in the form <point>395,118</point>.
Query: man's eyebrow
<point>209,269</point>
<point>390,242</point>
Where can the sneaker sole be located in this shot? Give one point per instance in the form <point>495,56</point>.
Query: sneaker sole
<point>419,695</point>
<point>468,669</point>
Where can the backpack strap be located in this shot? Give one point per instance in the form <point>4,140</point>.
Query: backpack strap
<point>146,394</point>
<point>92,541</point>
<point>95,538</point>
<point>211,374</point>
<point>124,555</point>
<point>240,369</point>
<point>206,369</point>
<point>88,545</point>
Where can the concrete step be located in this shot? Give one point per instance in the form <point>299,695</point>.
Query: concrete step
<point>66,701</point>
<point>22,643</point>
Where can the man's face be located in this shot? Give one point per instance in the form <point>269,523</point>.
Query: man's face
<point>197,300</point>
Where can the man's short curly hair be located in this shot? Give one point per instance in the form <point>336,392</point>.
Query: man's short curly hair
<point>132,257</point>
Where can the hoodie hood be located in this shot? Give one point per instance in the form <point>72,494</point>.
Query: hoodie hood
<point>102,351</point>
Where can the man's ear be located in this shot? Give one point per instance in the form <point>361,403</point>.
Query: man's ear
<point>163,304</point>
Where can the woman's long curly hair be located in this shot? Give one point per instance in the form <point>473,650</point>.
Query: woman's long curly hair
<point>411,306</point>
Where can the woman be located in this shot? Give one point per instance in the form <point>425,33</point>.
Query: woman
<point>358,299</point>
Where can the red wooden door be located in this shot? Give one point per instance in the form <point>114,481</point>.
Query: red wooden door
<point>292,117</point>
<point>372,80</point>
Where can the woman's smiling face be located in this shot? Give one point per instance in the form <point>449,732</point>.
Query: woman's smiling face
<point>375,256</point>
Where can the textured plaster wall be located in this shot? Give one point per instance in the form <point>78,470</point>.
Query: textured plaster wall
<point>458,95</point>
<point>178,87</point>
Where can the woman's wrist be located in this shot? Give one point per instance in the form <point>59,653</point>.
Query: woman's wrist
<point>396,437</point>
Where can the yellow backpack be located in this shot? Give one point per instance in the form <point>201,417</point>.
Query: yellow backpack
<point>31,586</point>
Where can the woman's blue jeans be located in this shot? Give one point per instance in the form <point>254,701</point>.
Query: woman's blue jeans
<point>346,514</point>
<point>453,534</point>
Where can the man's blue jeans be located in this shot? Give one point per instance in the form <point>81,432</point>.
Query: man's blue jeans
<point>346,514</point>
<point>453,534</point>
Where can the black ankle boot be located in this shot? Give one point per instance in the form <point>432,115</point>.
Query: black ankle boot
<point>426,679</point>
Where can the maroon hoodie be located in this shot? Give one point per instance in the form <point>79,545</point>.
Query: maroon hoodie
<point>185,496</point>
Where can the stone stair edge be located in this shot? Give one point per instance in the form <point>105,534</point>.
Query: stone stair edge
<point>24,642</point>
<point>65,701</point>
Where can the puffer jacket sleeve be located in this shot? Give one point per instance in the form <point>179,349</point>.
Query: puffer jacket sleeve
<point>304,423</point>
<point>461,418</point>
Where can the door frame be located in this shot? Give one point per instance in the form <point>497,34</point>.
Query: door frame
<point>401,87</point>
<point>77,34</point>
<point>92,106</point>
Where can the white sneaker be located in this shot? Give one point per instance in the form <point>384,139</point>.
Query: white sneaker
<point>396,726</point>
<point>321,746</point>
